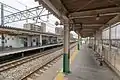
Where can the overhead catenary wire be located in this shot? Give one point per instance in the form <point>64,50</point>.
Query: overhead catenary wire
<point>47,23</point>
<point>9,6</point>
<point>8,11</point>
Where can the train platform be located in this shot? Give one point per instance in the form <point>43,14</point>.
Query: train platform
<point>6,50</point>
<point>20,50</point>
<point>84,66</point>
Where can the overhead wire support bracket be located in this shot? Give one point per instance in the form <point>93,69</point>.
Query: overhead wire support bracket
<point>32,13</point>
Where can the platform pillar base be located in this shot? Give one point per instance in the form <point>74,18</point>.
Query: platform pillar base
<point>66,68</point>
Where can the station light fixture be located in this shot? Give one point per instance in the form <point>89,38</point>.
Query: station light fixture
<point>97,17</point>
<point>56,23</point>
<point>39,18</point>
<point>33,18</point>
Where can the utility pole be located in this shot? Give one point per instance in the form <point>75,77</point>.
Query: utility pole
<point>2,15</point>
<point>2,24</point>
<point>26,15</point>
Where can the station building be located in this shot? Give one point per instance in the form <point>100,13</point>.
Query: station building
<point>16,37</point>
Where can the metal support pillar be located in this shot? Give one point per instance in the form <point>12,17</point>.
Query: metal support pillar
<point>69,46</point>
<point>2,15</point>
<point>40,40</point>
<point>103,54</point>
<point>22,54</point>
<point>31,41</point>
<point>95,42</point>
<point>66,62</point>
<point>78,42</point>
<point>110,42</point>
<point>2,24</point>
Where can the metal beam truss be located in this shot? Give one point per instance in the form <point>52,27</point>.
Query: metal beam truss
<point>33,13</point>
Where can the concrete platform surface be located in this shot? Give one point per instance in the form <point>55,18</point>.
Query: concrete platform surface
<point>85,67</point>
<point>19,50</point>
<point>51,72</point>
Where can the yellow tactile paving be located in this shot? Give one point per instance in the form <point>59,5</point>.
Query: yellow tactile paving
<point>73,55</point>
<point>60,75</point>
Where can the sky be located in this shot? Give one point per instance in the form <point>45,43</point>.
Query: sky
<point>21,5</point>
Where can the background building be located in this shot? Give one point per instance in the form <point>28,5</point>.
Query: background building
<point>33,27</point>
<point>59,31</point>
<point>43,27</point>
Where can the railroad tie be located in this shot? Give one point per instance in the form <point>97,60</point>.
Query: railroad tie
<point>36,74</point>
<point>29,79</point>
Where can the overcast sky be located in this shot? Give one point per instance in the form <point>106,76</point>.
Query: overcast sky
<point>21,5</point>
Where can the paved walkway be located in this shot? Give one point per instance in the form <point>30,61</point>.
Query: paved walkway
<point>85,67</point>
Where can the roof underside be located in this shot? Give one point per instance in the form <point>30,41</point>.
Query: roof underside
<point>18,31</point>
<point>88,16</point>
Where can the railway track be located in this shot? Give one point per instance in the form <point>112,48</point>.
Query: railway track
<point>9,65</point>
<point>33,75</point>
<point>47,61</point>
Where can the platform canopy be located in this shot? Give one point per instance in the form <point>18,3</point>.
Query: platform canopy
<point>86,16</point>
